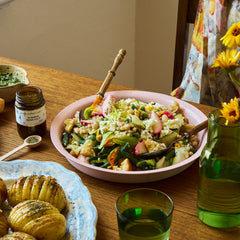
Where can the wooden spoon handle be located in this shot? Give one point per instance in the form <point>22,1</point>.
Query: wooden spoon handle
<point>198,127</point>
<point>112,72</point>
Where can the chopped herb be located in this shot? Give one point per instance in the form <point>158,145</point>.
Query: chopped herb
<point>133,106</point>
<point>127,120</point>
<point>7,79</point>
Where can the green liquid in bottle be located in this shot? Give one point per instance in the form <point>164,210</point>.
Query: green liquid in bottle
<point>219,193</point>
<point>147,224</point>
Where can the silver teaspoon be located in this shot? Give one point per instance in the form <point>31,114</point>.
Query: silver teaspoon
<point>31,141</point>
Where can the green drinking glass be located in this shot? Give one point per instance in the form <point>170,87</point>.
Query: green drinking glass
<point>144,213</point>
<point>218,202</point>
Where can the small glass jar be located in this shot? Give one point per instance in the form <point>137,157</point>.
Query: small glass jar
<point>30,111</point>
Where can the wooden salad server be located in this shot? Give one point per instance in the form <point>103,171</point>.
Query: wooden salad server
<point>105,84</point>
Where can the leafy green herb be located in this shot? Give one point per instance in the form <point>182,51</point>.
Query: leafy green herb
<point>136,134</point>
<point>127,120</point>
<point>7,79</point>
<point>144,116</point>
<point>133,106</point>
<point>146,164</point>
<point>65,138</point>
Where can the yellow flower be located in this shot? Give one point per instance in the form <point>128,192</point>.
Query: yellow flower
<point>227,60</point>
<point>232,38</point>
<point>230,111</point>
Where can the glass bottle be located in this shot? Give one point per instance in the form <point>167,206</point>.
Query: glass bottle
<point>219,174</point>
<point>30,111</point>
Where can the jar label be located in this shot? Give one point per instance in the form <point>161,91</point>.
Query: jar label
<point>30,118</point>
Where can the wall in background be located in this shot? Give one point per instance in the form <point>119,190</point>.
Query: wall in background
<point>83,37</point>
<point>156,23</point>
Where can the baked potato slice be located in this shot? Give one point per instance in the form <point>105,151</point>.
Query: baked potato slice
<point>3,191</point>
<point>3,224</point>
<point>37,187</point>
<point>38,218</point>
<point>18,236</point>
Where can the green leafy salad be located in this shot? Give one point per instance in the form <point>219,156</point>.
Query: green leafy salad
<point>116,134</point>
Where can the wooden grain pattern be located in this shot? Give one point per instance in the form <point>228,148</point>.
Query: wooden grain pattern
<point>59,90</point>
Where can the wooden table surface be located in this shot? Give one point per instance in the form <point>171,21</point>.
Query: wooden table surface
<point>61,89</point>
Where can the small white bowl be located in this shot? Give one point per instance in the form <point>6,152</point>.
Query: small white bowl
<point>8,93</point>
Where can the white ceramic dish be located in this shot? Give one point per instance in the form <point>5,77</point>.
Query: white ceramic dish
<point>8,93</point>
<point>194,115</point>
<point>82,215</point>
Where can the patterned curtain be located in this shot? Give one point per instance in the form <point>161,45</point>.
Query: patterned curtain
<point>201,83</point>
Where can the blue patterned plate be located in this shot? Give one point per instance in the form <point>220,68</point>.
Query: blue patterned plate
<point>82,214</point>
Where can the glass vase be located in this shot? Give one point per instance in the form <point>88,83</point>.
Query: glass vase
<point>218,202</point>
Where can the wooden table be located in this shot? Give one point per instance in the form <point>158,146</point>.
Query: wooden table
<point>61,89</point>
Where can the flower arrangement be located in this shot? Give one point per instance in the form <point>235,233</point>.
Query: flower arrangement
<point>228,61</point>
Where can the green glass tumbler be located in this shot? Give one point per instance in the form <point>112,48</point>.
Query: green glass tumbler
<point>218,202</point>
<point>144,214</point>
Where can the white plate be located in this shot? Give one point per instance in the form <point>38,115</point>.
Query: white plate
<point>194,115</point>
<point>82,215</point>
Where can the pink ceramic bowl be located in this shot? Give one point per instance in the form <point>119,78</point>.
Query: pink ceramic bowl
<point>194,115</point>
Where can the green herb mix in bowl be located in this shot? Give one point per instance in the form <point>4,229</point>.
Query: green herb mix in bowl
<point>12,78</point>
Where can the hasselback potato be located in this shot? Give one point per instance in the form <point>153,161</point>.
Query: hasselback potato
<point>3,191</point>
<point>37,187</point>
<point>3,224</point>
<point>38,218</point>
<point>17,236</point>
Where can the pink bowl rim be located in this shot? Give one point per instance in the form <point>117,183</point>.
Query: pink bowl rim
<point>70,110</point>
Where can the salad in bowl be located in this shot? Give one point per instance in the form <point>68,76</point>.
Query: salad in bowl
<point>115,134</point>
